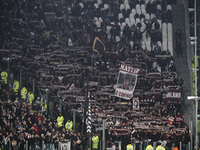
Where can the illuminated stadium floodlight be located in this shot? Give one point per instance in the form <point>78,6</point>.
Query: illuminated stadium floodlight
<point>192,38</point>
<point>191,9</point>
<point>192,43</point>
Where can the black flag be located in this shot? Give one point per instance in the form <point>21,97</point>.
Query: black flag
<point>98,46</point>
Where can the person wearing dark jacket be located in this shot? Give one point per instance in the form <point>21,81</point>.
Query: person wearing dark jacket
<point>47,140</point>
<point>78,144</point>
<point>15,146</point>
<point>31,141</point>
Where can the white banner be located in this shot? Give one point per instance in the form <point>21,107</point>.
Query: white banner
<point>126,81</point>
<point>136,103</point>
<point>64,145</point>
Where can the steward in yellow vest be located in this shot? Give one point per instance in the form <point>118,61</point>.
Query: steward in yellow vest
<point>95,142</point>
<point>69,125</point>
<point>16,87</point>
<point>4,76</point>
<point>149,147</point>
<point>129,147</point>
<point>159,147</point>
<point>23,93</point>
<point>30,97</point>
<point>60,120</point>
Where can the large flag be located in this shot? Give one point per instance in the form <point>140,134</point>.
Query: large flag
<point>98,46</point>
<point>126,81</point>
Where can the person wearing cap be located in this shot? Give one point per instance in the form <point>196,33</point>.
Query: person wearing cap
<point>60,120</point>
<point>69,125</point>
<point>129,147</point>
<point>95,142</point>
<point>159,147</point>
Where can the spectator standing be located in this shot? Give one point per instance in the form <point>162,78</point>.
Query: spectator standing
<point>29,122</point>
<point>48,140</point>
<point>36,128</point>
<point>179,49</point>
<point>15,146</point>
<point>157,49</point>
<point>113,146</point>
<point>178,33</point>
<point>38,117</point>
<point>78,145</point>
<point>51,109</point>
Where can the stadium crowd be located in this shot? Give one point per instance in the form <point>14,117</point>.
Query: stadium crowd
<point>52,42</point>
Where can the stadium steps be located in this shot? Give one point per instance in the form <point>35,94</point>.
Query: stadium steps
<point>181,62</point>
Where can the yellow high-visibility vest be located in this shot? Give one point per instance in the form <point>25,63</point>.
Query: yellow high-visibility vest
<point>16,86</point>
<point>129,147</point>
<point>60,120</point>
<point>69,125</point>
<point>95,141</point>
<point>30,97</point>
<point>24,93</point>
<point>149,147</point>
<point>4,76</point>
<point>159,147</point>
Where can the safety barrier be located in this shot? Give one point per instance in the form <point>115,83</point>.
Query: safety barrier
<point>62,145</point>
<point>143,145</point>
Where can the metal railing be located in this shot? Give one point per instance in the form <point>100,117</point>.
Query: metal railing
<point>44,146</point>
<point>143,145</point>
